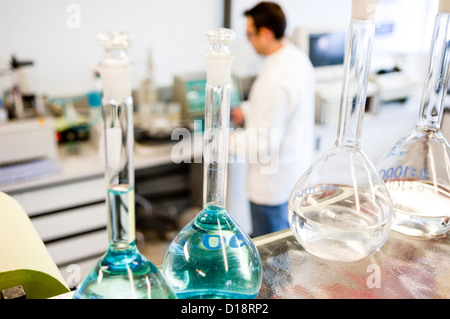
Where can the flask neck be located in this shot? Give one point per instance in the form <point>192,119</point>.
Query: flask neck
<point>217,116</point>
<point>437,76</point>
<point>215,150</point>
<point>118,141</point>
<point>354,85</point>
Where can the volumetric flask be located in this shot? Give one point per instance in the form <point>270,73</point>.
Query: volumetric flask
<point>416,169</point>
<point>212,257</point>
<point>122,272</point>
<point>340,208</point>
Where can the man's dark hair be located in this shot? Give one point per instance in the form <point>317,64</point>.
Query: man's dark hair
<point>269,15</point>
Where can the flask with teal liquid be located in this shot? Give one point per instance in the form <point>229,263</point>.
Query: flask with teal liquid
<point>212,257</point>
<point>123,272</point>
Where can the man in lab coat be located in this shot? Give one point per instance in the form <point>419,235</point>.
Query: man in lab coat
<point>278,119</point>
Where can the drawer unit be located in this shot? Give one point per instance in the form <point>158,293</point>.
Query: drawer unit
<point>71,220</point>
<point>61,196</point>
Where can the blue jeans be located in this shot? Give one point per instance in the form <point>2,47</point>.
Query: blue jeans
<point>268,219</point>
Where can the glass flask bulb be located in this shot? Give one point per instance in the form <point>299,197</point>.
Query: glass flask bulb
<point>212,257</point>
<point>340,208</point>
<point>122,272</point>
<point>416,169</point>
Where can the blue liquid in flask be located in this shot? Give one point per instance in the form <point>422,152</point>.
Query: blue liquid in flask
<point>123,272</point>
<point>213,258</point>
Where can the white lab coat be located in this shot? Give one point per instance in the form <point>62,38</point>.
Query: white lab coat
<point>279,110</point>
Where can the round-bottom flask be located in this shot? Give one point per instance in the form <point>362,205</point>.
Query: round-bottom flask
<point>417,168</point>
<point>340,209</point>
<point>417,173</point>
<point>212,257</point>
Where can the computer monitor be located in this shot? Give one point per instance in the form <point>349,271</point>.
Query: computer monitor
<point>325,47</point>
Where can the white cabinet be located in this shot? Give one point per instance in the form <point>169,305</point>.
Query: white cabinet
<point>71,220</point>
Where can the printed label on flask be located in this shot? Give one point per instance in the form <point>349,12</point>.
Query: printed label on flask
<point>401,171</point>
<point>215,242</point>
<point>309,190</point>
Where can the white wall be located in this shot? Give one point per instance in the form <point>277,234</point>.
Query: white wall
<point>66,53</point>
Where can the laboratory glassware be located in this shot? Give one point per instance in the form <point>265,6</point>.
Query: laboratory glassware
<point>340,208</point>
<point>416,169</point>
<point>122,272</point>
<point>212,257</point>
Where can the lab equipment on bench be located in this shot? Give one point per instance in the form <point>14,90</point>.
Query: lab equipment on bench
<point>123,272</point>
<point>189,93</point>
<point>29,150</point>
<point>340,208</point>
<point>212,257</point>
<point>416,169</point>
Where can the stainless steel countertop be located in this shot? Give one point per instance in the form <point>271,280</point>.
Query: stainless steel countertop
<point>405,267</point>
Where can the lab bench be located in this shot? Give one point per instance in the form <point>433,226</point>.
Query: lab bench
<point>404,268</point>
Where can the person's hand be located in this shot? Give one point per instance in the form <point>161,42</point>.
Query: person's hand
<point>237,116</point>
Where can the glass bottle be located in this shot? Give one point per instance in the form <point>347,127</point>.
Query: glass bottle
<point>416,169</point>
<point>212,257</point>
<point>123,272</point>
<point>340,208</point>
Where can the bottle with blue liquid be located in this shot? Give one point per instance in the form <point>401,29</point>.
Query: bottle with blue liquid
<point>123,272</point>
<point>212,257</point>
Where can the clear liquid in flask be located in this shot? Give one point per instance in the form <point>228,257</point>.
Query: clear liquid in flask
<point>334,228</point>
<point>420,208</point>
